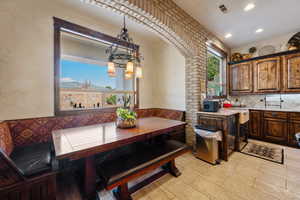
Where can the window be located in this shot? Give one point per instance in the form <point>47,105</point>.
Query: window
<point>82,82</point>
<point>216,73</point>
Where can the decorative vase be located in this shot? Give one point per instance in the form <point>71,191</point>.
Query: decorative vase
<point>126,123</point>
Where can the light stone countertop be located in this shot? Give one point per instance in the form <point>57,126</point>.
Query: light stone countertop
<point>224,112</point>
<point>236,110</point>
<point>275,109</point>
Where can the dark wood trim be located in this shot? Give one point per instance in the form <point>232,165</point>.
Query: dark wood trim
<point>65,26</point>
<point>218,49</point>
<point>57,40</point>
<point>71,27</point>
<point>266,56</point>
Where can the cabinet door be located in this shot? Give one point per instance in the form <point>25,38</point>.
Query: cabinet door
<point>291,73</point>
<point>241,78</point>
<point>294,127</point>
<point>275,130</point>
<point>267,75</point>
<point>255,124</point>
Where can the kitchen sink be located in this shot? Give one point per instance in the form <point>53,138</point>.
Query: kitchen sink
<point>244,114</point>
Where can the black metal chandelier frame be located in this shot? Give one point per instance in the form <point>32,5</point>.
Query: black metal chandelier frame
<point>130,55</point>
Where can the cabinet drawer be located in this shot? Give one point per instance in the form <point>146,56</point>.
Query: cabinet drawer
<point>277,115</point>
<point>295,116</point>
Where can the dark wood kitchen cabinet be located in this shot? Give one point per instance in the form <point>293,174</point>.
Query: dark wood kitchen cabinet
<point>267,75</point>
<point>275,130</point>
<point>241,78</point>
<point>291,73</point>
<point>255,124</point>
<point>274,73</point>
<point>294,127</point>
<point>275,126</point>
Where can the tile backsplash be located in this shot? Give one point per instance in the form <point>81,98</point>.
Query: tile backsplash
<point>290,100</point>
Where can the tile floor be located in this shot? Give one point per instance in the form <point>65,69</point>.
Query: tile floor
<point>243,177</point>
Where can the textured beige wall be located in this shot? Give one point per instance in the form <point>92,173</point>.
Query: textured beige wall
<point>26,56</point>
<point>169,79</point>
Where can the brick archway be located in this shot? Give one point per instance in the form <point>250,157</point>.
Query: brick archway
<point>175,26</point>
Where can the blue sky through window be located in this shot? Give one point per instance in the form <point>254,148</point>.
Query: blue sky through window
<point>81,72</point>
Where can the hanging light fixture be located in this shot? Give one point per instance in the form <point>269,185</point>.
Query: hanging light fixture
<point>124,57</point>
<point>139,72</point>
<point>129,67</point>
<point>111,70</point>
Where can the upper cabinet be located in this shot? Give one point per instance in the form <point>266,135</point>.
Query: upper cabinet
<point>241,78</point>
<point>267,75</point>
<point>291,73</point>
<point>277,73</point>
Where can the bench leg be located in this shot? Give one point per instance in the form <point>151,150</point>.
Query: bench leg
<point>173,169</point>
<point>122,192</point>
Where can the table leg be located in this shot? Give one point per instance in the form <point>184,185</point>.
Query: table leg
<point>173,169</point>
<point>90,179</point>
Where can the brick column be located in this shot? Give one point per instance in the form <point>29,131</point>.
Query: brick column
<point>195,77</point>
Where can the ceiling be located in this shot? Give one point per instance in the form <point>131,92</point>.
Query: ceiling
<point>276,17</point>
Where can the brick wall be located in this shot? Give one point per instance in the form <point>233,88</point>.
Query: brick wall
<point>175,26</point>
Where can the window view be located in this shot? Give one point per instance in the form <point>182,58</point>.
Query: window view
<point>84,79</point>
<point>216,74</point>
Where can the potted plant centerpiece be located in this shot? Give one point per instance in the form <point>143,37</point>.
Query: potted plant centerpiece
<point>126,118</point>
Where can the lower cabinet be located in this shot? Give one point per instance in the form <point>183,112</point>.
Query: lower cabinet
<point>275,130</point>
<point>294,127</point>
<point>255,124</point>
<point>275,127</point>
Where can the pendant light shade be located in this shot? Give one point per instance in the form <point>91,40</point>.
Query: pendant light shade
<point>139,72</point>
<point>129,67</point>
<point>128,76</point>
<point>111,70</point>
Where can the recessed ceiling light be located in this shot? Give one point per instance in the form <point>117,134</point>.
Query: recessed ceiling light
<point>228,35</point>
<point>259,30</point>
<point>249,6</point>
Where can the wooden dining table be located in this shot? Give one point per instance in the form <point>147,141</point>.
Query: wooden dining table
<point>85,142</point>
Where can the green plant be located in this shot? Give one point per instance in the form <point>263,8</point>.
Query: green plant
<point>126,101</point>
<point>126,114</point>
<point>213,64</point>
<point>111,100</point>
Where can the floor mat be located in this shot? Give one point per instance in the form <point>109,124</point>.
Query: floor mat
<point>264,151</point>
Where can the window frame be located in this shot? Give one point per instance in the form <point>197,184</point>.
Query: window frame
<point>65,26</point>
<point>223,54</point>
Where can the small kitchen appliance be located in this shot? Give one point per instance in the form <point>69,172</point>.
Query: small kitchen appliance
<point>211,106</point>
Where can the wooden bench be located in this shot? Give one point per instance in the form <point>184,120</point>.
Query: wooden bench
<point>129,163</point>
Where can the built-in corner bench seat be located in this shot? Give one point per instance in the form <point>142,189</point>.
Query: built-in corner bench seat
<point>23,170</point>
<point>27,167</point>
<point>126,164</point>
